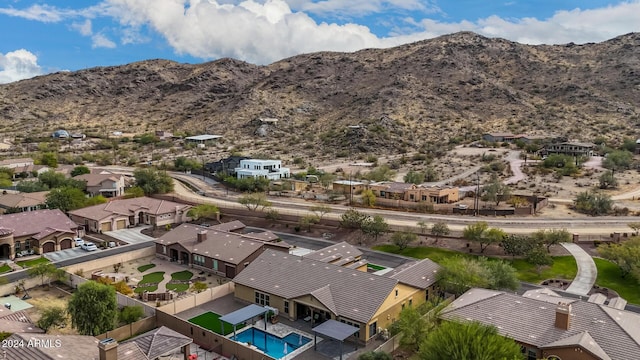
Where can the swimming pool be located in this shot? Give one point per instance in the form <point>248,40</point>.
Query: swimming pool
<point>276,347</point>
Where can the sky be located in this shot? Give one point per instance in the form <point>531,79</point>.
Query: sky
<point>40,37</point>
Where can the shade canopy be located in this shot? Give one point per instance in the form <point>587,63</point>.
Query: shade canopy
<point>335,330</point>
<point>244,314</point>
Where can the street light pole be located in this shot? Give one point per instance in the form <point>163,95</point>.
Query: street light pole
<point>476,202</point>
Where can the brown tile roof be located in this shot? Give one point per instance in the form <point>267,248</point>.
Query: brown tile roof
<point>583,340</point>
<point>342,250</point>
<point>531,321</point>
<point>155,343</point>
<point>7,162</point>
<point>97,179</point>
<point>128,207</point>
<point>420,274</point>
<point>18,322</point>
<point>229,226</point>
<point>230,247</point>
<point>266,236</point>
<point>38,223</point>
<point>355,294</point>
<point>21,200</point>
<point>52,347</point>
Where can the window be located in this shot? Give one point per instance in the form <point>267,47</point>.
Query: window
<point>403,306</point>
<point>17,245</point>
<point>215,264</point>
<point>411,196</point>
<point>410,302</point>
<point>352,323</point>
<point>424,197</point>
<point>286,307</point>
<point>27,245</point>
<point>164,249</point>
<point>198,259</point>
<point>262,299</point>
<point>382,193</point>
<point>396,292</point>
<point>373,328</point>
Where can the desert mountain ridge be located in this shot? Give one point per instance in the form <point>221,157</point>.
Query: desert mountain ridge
<point>447,89</point>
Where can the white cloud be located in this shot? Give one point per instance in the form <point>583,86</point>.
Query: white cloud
<point>43,13</point>
<point>360,7</point>
<point>101,41</point>
<point>84,28</point>
<point>18,65</point>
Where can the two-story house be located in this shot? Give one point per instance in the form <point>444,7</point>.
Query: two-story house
<point>106,184</point>
<point>258,168</point>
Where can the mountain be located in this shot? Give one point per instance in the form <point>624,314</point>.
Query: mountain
<point>447,89</point>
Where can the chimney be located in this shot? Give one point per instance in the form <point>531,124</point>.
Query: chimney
<point>108,349</point>
<point>563,316</point>
<point>202,235</point>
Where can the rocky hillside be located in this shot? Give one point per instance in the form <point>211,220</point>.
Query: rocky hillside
<point>450,88</point>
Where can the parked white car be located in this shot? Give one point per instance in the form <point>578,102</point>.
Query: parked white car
<point>78,241</point>
<point>89,246</point>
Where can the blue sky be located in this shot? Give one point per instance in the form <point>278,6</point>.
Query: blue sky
<point>39,37</point>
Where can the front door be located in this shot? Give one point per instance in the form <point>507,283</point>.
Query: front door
<point>173,254</point>
<point>5,251</point>
<point>230,271</point>
<point>185,257</point>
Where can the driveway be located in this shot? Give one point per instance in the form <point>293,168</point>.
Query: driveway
<point>66,254</point>
<point>131,236</point>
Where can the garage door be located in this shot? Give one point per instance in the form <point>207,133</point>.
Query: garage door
<point>65,244</point>
<point>48,247</point>
<point>105,226</point>
<point>121,224</point>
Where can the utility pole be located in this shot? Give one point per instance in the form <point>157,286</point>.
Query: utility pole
<point>476,202</point>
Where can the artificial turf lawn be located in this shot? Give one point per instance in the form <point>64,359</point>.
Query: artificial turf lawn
<point>609,276</point>
<point>146,267</point>
<point>182,275</point>
<point>210,320</point>
<point>34,262</point>
<point>4,268</point>
<point>177,287</point>
<point>564,267</point>
<point>154,277</point>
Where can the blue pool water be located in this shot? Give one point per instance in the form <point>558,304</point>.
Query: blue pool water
<point>275,346</point>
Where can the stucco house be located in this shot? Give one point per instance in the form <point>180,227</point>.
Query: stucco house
<point>123,213</point>
<point>415,193</point>
<point>39,231</point>
<point>259,168</point>
<point>22,202</point>
<point>548,326</point>
<point>216,249</point>
<point>105,184</point>
<point>571,148</point>
<point>315,291</point>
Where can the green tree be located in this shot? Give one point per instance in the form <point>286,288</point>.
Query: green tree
<point>65,199</point>
<point>423,226</point>
<point>565,165</point>
<point>42,270</point>
<point>516,245</point>
<point>495,191</point>
<point>52,179</point>
<point>625,255</point>
<point>308,220</point>
<point>554,237</point>
<point>593,203</point>
<point>375,227</point>
<point>628,144</point>
<point>538,257</point>
<point>31,186</point>
<point>206,211</point>
<point>53,316</point>
<point>374,355</point>
<point>414,177</point>
<point>368,198</point>
<point>439,229</point>
<point>93,308</point>
<point>130,314</point>
<point>617,160</point>
<point>607,180</point>
<point>353,219</point>
<point>458,275</point>
<point>414,327</point>
<point>320,210</point>
<point>198,287</point>
<point>468,341</point>
<point>503,276</point>
<point>403,239</point>
<point>380,173</point>
<point>254,201</point>
<point>133,192</point>
<point>635,226</point>
<point>49,159</point>
<point>182,163</point>
<point>95,200</point>
<point>326,179</point>
<point>80,170</point>
<point>152,181</point>
<point>272,214</point>
<point>481,233</point>
<point>430,174</point>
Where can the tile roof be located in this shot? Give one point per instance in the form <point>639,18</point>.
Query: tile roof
<point>128,207</point>
<point>18,322</point>
<point>582,339</point>
<point>154,343</point>
<point>23,199</point>
<point>355,294</point>
<point>420,274</point>
<point>532,321</point>
<point>96,179</point>
<point>334,252</point>
<point>230,247</point>
<point>229,226</point>
<point>38,223</point>
<point>52,347</point>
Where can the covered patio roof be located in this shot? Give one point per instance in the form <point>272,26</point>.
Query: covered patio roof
<point>335,330</point>
<point>246,313</point>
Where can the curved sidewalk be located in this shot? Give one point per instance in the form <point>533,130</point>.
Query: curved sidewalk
<point>587,271</point>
